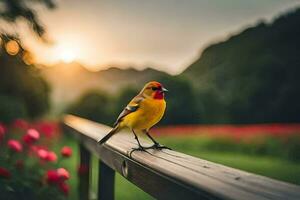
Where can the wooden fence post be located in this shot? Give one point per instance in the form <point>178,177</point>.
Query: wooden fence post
<point>84,172</point>
<point>106,182</point>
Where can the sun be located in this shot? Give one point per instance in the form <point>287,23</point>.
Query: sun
<point>66,53</point>
<point>67,56</point>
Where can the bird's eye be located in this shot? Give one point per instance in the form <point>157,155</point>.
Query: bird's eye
<point>154,88</point>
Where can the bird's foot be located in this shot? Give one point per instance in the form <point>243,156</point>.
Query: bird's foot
<point>140,148</point>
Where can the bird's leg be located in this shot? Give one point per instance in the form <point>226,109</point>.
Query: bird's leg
<point>156,145</point>
<point>151,138</point>
<point>140,148</point>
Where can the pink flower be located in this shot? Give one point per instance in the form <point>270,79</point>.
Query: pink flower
<point>42,154</point>
<point>64,188</point>
<point>34,134</point>
<point>4,173</point>
<point>66,151</point>
<point>35,148</point>
<point>51,156</point>
<point>52,177</point>
<point>31,136</point>
<point>63,174</point>
<point>14,145</point>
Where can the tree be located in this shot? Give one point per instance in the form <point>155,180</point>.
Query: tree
<point>21,84</point>
<point>182,107</point>
<point>123,98</point>
<point>12,10</point>
<point>23,92</point>
<point>95,105</point>
<point>253,76</point>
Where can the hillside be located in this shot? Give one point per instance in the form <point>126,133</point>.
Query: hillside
<point>69,81</point>
<point>253,76</point>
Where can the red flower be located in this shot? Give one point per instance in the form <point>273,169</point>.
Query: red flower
<point>21,124</point>
<point>27,140</point>
<point>82,169</point>
<point>2,128</point>
<point>52,177</point>
<point>64,188</point>
<point>63,174</point>
<point>57,176</point>
<point>47,128</point>
<point>4,173</point>
<point>14,145</point>
<point>2,131</point>
<point>66,151</point>
<point>31,136</point>
<point>51,156</point>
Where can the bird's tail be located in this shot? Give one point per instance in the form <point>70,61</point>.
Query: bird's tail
<point>111,133</point>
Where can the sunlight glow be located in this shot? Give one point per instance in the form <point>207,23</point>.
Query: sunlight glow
<point>12,47</point>
<point>66,53</point>
<point>67,56</point>
<point>28,58</point>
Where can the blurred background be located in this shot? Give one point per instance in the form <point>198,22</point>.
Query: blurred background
<point>231,68</point>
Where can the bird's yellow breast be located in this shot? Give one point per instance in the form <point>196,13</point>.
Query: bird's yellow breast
<point>149,113</point>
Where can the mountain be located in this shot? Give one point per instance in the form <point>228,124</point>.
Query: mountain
<point>70,80</point>
<point>253,76</point>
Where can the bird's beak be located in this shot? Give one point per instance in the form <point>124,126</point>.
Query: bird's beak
<point>164,89</point>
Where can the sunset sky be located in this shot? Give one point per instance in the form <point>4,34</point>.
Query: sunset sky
<point>164,34</point>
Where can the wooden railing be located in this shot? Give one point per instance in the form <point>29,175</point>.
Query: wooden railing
<point>166,174</point>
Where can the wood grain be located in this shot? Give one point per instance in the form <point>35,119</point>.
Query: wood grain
<point>167,174</point>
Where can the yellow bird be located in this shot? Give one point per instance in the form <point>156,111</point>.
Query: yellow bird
<point>143,112</point>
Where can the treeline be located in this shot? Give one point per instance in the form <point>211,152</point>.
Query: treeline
<point>100,106</point>
<point>253,77</point>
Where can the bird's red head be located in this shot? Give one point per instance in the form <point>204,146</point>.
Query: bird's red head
<point>154,89</point>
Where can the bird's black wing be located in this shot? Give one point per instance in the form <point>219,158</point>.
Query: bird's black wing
<point>131,107</point>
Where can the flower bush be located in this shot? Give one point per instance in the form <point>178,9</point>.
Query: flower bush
<point>28,166</point>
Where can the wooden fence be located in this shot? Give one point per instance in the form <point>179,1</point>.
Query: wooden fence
<point>166,174</point>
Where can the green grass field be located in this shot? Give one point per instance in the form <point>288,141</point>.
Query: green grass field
<point>274,167</point>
